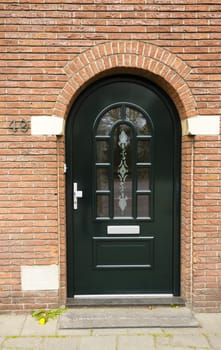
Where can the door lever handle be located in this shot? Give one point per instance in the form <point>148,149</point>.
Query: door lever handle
<point>76,194</point>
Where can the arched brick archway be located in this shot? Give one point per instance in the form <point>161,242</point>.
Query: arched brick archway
<point>159,65</point>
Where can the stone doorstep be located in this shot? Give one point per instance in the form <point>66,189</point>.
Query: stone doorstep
<point>127,301</point>
<point>126,317</point>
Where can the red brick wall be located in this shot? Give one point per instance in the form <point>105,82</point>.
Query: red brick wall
<point>28,214</point>
<point>186,218</point>
<point>38,40</point>
<point>207,223</point>
<point>201,222</point>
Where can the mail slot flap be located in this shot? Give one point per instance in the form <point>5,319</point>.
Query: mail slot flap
<point>123,230</point>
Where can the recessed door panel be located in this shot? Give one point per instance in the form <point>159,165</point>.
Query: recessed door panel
<point>123,253</point>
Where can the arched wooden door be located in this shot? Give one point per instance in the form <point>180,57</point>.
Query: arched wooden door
<point>122,190</point>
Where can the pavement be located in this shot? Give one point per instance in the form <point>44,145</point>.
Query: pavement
<point>22,332</point>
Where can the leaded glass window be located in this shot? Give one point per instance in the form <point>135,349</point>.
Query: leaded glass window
<point>123,163</point>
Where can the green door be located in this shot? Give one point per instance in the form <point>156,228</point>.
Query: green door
<point>122,155</point>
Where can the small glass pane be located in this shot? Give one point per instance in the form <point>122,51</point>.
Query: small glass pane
<point>143,179</point>
<point>102,152</point>
<point>102,179</point>
<point>139,121</point>
<point>102,206</point>
<point>122,171</point>
<point>143,206</point>
<point>107,121</point>
<point>143,151</point>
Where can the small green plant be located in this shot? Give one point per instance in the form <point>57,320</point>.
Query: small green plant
<point>174,306</point>
<point>42,316</point>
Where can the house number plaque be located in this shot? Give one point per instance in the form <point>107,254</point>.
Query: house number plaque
<point>19,125</point>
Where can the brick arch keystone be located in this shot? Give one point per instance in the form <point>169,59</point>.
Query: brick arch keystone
<point>160,65</point>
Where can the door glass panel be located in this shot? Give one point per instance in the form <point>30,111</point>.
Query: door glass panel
<point>102,179</point>
<point>107,121</point>
<point>122,171</point>
<point>123,141</point>
<point>143,179</point>
<point>138,120</point>
<point>102,206</point>
<point>143,151</point>
<point>101,151</point>
<point>143,206</point>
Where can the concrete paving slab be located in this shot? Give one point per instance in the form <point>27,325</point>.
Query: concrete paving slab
<point>11,324</point>
<point>191,340</point>
<point>183,331</point>
<point>144,331</point>
<point>215,341</point>
<point>98,343</point>
<point>144,342</point>
<point>170,347</point>
<point>109,331</point>
<point>23,343</point>
<point>163,340</point>
<point>74,332</point>
<point>60,343</point>
<point>32,327</point>
<point>211,323</point>
<point>126,331</point>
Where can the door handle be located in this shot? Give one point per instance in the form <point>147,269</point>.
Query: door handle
<point>76,194</point>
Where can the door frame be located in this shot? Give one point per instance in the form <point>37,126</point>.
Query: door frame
<point>176,176</point>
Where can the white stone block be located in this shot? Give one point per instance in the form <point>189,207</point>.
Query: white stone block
<point>47,125</point>
<point>202,125</point>
<point>40,277</point>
